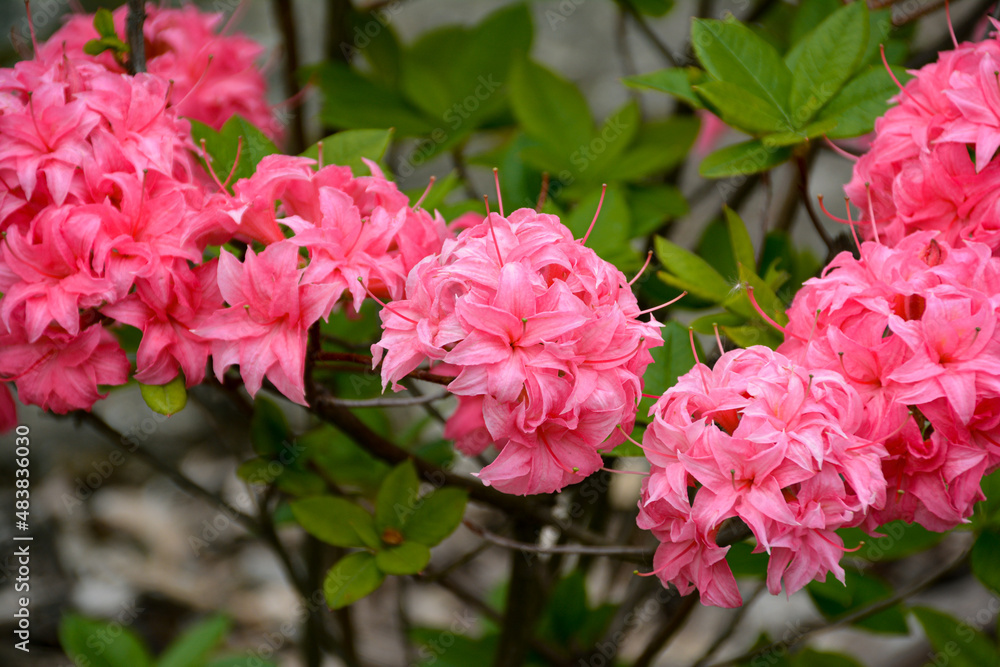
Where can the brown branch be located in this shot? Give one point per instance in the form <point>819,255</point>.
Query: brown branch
<point>636,554</point>
<point>135,37</point>
<point>289,33</point>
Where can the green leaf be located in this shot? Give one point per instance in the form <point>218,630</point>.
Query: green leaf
<point>985,564</point>
<point>676,81</point>
<point>462,650</point>
<point>407,558</point>
<point>348,147</point>
<point>342,459</point>
<point>899,540</point>
<point>739,239</point>
<point>810,14</point>
<point>744,563</point>
<point>351,101</point>
<point>740,108</point>
<point>269,429</point>
<point>377,42</point>
<point>814,129</point>
<point>861,101</point>
<point>567,610</point>
<point>336,521</point>
<point>987,511</point>
<point>670,361</point>
<point>397,497</point>
<point>613,137</point>
<point>811,658</point>
<point>436,517</point>
<point>193,647</point>
<point>657,147</point>
<point>241,661</point>
<point>165,399</point>
<point>653,7</point>
<point>653,206</point>
<point>104,23</point>
<point>353,577</point>
<point>237,137</point>
<point>825,59</point>
<point>89,642</point>
<point>749,157</point>
<point>732,52</point>
<point>834,599</point>
<point>550,109</point>
<point>691,273</point>
<point>765,296</point>
<point>959,641</point>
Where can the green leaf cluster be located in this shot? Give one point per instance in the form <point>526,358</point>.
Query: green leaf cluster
<point>396,539</point>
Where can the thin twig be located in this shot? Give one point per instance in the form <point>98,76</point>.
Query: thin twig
<point>670,627</point>
<point>366,360</point>
<point>803,167</point>
<point>650,34</point>
<point>176,476</point>
<point>386,402</point>
<point>853,617</point>
<point>289,33</point>
<point>636,554</point>
<point>727,632</point>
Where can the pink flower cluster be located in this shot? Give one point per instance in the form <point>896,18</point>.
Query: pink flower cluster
<point>101,215</point>
<point>760,438</point>
<point>543,339</point>
<point>931,163</point>
<point>213,75</point>
<point>901,349</point>
<point>107,219</point>
<point>359,232</point>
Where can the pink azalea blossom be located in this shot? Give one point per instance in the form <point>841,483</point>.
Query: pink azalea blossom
<point>265,328</point>
<point>8,409</point>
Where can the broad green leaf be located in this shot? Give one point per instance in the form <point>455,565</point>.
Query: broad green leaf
<point>861,101</point>
<point>353,577</point>
<point>376,41</point>
<point>237,137</point>
<point>290,478</point>
<point>763,294</point>
<point>653,206</point>
<point>809,657</point>
<point>732,52</point>
<point>959,641</point>
<point>351,101</point>
<point>676,81</point>
<point>880,26</point>
<point>825,59</point>
<point>550,109</point>
<point>706,323</point>
<point>269,430</point>
<point>397,497</point>
<point>744,563</point>
<point>462,651</point>
<point>104,23</point>
<point>697,276</point>
<point>739,239</point>
<point>753,333</point>
<point>985,564</point>
<point>899,540</point>
<point>987,511</point>
<point>165,399</point>
<point>406,558</point>
<point>88,642</point>
<point>749,157</point>
<point>612,138</point>
<point>810,14</point>
<point>241,661</point>
<point>834,599</point>
<point>336,521</point>
<point>653,7</point>
<point>740,108</point>
<point>436,517</point>
<point>657,147</point>
<point>814,129</point>
<point>348,147</point>
<point>193,647</point>
<point>671,360</point>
